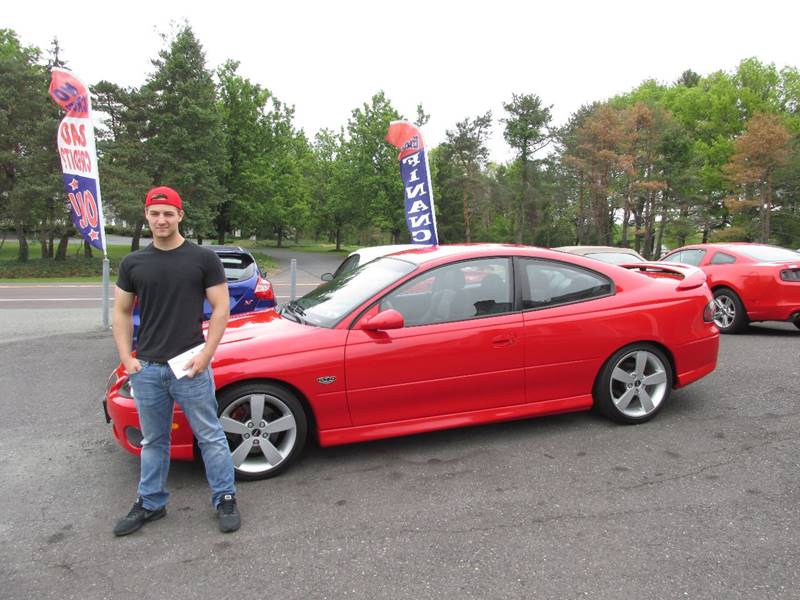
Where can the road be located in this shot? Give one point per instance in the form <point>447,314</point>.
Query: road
<point>699,503</point>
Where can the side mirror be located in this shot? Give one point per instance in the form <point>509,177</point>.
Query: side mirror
<point>388,319</point>
<point>326,276</point>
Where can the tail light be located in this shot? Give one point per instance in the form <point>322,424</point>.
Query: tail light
<point>264,290</point>
<point>790,275</point>
<point>709,310</point>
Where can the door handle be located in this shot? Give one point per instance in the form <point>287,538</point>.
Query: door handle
<point>500,341</point>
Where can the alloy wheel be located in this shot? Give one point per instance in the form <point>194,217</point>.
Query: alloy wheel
<point>638,383</point>
<point>725,311</point>
<point>261,431</point>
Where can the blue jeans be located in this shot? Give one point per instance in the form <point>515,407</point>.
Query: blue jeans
<point>155,390</point>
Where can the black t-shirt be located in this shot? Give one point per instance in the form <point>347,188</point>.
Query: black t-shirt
<point>171,287</point>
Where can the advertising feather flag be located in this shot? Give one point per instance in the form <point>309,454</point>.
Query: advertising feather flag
<point>76,148</point>
<point>415,173</point>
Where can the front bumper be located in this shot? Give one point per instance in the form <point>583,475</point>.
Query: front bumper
<point>121,413</point>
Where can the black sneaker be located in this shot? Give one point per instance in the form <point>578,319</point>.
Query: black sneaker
<point>229,517</point>
<point>137,517</point>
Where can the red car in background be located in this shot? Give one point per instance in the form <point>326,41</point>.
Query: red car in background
<point>447,336</point>
<point>750,282</point>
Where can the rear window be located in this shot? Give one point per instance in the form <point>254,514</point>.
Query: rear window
<point>238,266</point>
<point>769,253</point>
<point>720,258</point>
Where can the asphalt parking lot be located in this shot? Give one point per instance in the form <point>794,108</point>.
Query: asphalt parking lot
<point>699,503</point>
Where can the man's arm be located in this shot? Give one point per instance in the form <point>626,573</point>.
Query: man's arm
<point>122,327</point>
<point>218,298</point>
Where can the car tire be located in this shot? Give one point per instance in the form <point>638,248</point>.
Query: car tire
<point>634,384</point>
<point>729,313</point>
<point>266,426</point>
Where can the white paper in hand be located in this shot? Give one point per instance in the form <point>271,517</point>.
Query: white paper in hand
<point>177,364</point>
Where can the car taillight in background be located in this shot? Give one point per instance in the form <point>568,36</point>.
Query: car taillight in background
<point>264,290</point>
<point>790,275</point>
<point>708,311</point>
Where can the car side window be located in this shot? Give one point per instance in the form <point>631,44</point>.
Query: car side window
<point>692,256</point>
<point>551,283</point>
<point>465,290</point>
<point>720,258</point>
<point>349,264</point>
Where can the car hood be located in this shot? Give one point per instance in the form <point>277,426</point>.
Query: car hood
<point>259,324</point>
<point>266,333</point>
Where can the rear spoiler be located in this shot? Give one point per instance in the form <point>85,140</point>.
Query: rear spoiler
<point>691,277</point>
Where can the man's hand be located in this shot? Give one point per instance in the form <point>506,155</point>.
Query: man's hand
<point>132,365</point>
<point>197,364</point>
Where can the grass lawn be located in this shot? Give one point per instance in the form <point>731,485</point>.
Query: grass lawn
<point>77,269</point>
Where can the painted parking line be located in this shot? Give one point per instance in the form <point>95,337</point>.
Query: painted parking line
<point>50,299</point>
<point>52,285</point>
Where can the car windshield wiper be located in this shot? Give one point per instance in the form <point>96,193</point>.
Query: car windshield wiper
<point>296,308</point>
<point>294,311</point>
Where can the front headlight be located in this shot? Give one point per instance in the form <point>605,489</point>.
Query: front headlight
<point>112,379</point>
<point>125,389</point>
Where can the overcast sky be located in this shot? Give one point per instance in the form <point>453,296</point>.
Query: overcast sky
<point>459,59</point>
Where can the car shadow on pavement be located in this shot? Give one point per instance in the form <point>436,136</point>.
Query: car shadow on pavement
<point>775,329</point>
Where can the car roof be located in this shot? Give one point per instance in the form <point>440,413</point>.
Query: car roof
<point>583,250</point>
<point>723,245</point>
<point>425,254</point>
<point>369,253</point>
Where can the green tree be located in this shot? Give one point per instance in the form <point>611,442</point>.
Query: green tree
<point>29,169</point>
<point>278,176</point>
<point>122,152</point>
<point>465,147</point>
<point>243,106</point>
<point>337,211</point>
<point>371,168</point>
<point>185,143</point>
<point>527,131</point>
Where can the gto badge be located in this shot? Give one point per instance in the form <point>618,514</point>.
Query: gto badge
<point>326,380</point>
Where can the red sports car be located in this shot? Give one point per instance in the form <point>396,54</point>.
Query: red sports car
<point>443,337</point>
<point>750,282</point>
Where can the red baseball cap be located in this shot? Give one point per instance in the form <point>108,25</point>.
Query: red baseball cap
<point>163,195</point>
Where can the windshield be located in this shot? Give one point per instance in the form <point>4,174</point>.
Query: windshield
<point>769,253</point>
<point>329,303</point>
<point>615,258</point>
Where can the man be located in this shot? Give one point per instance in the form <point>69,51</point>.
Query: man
<point>171,278</point>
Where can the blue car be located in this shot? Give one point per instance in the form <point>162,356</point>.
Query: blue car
<point>248,286</point>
